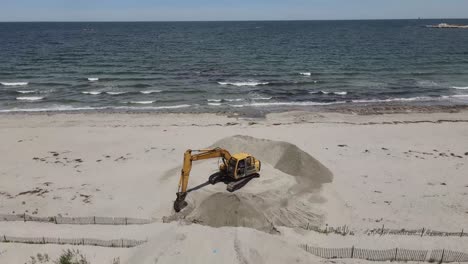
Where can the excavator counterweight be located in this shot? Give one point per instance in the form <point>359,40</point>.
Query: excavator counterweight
<point>236,170</point>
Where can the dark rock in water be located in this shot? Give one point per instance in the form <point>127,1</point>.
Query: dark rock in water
<point>342,146</point>
<point>443,183</point>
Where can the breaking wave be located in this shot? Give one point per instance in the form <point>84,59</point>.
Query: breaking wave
<point>250,83</point>
<point>92,79</point>
<point>141,102</point>
<point>305,73</point>
<point>92,92</point>
<point>14,83</point>
<point>150,91</point>
<point>308,103</point>
<point>324,92</point>
<point>31,98</point>
<point>261,98</point>
<point>409,99</point>
<point>460,87</point>
<point>116,93</point>
<point>61,108</point>
<point>25,92</point>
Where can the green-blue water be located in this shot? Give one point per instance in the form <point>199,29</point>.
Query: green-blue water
<point>221,66</point>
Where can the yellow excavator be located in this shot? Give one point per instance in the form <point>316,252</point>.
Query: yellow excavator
<point>235,170</point>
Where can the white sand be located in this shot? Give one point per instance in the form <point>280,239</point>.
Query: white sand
<point>128,165</point>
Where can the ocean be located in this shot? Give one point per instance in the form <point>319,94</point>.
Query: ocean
<point>230,66</point>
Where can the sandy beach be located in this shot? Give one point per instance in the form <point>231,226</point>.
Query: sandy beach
<point>319,169</point>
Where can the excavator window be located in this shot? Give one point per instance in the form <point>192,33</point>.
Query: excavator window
<point>232,166</point>
<point>249,162</point>
<point>241,168</point>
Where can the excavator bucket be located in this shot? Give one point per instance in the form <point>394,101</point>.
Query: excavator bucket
<point>180,202</point>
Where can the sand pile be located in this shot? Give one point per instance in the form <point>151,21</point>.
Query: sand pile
<point>290,180</point>
<point>284,156</point>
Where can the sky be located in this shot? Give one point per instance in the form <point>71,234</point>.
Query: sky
<point>207,10</point>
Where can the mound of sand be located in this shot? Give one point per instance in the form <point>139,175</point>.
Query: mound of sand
<point>228,209</point>
<point>284,156</point>
<point>281,196</point>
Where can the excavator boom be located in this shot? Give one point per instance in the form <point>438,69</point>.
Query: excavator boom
<point>247,169</point>
<point>202,154</point>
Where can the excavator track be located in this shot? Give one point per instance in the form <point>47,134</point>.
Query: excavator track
<point>236,185</point>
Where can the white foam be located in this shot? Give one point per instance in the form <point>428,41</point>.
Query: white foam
<point>51,109</point>
<point>92,92</point>
<point>93,79</point>
<point>419,98</point>
<point>150,91</point>
<point>214,104</point>
<point>262,98</point>
<point>141,102</point>
<point>214,100</point>
<point>234,99</point>
<point>31,98</point>
<point>154,107</point>
<point>71,108</point>
<point>172,106</point>
<point>340,93</point>
<point>14,83</point>
<point>237,106</point>
<point>293,104</point>
<point>460,87</point>
<point>250,83</point>
<point>460,96</point>
<point>115,93</point>
<point>305,73</point>
<point>25,92</point>
<point>324,92</point>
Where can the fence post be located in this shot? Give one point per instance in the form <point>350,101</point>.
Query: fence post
<point>43,240</point>
<point>381,233</point>
<point>55,219</point>
<point>24,217</point>
<point>422,232</point>
<point>461,235</point>
<point>442,258</point>
<point>122,243</point>
<point>396,253</point>
<point>82,241</point>
<point>125,220</point>
<point>94,220</point>
<point>352,252</point>
<point>4,238</point>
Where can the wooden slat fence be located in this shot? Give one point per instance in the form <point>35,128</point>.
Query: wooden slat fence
<point>117,243</point>
<point>396,254</point>
<point>92,220</point>
<point>442,255</point>
<point>415,232</point>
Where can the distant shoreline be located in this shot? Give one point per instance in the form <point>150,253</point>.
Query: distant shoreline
<point>203,21</point>
<point>364,110</point>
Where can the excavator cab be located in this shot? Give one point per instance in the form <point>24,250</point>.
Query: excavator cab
<point>242,165</point>
<point>236,171</point>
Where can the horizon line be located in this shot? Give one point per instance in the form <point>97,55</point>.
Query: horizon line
<point>246,20</point>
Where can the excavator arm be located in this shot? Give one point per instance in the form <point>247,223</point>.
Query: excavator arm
<point>202,154</point>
